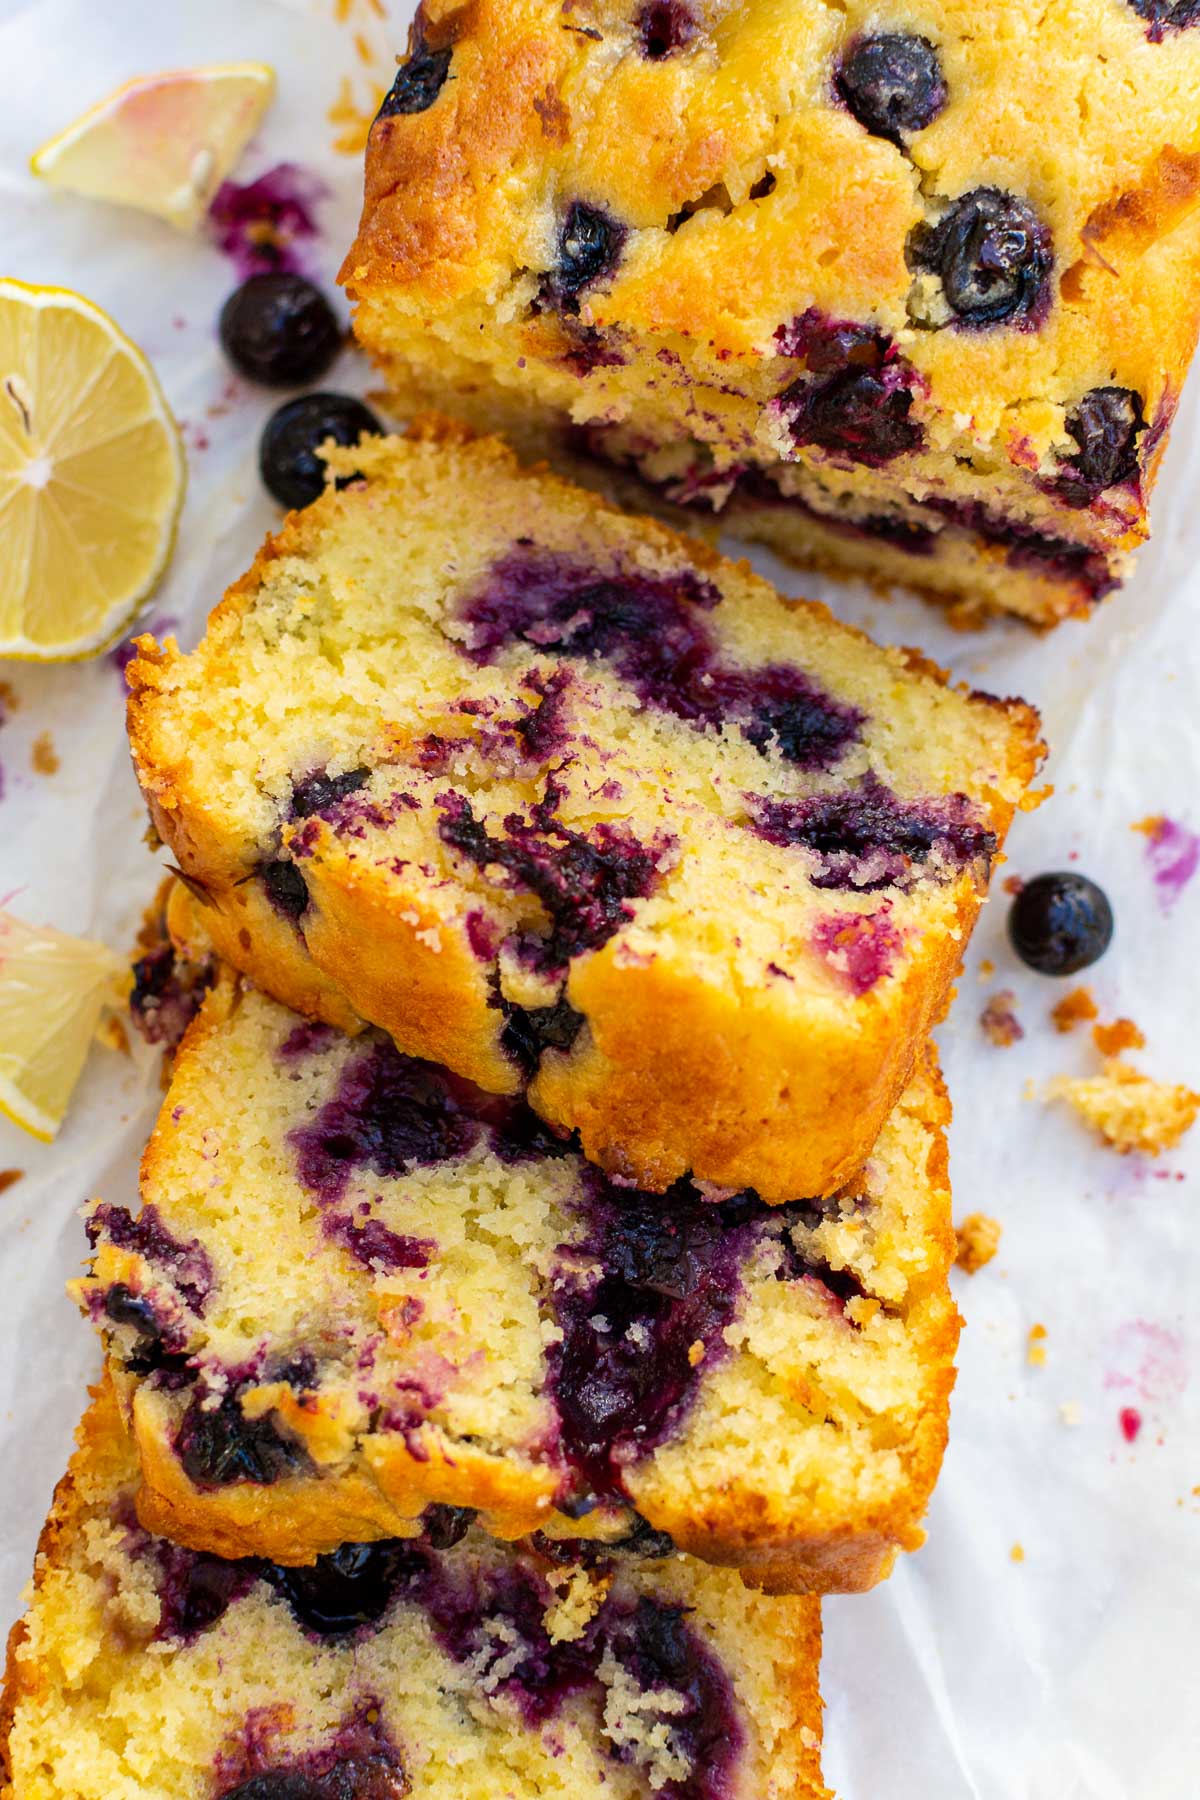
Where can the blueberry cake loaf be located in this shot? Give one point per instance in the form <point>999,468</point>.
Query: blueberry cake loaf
<point>358,1287</point>
<point>570,805</point>
<point>444,1668</point>
<point>889,290</point>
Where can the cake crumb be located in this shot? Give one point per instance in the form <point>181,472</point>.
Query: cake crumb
<point>1017,1553</point>
<point>1122,1034</point>
<point>1035,1349</point>
<point>1075,1008</point>
<point>999,1020</point>
<point>112,1034</point>
<point>1129,1110</point>
<point>987,969</point>
<point>8,1176</point>
<point>978,1241</point>
<point>44,756</point>
<point>1070,1412</point>
<point>1012,884</point>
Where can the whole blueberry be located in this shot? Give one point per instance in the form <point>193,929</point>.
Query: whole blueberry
<point>278,329</point>
<point>1106,425</point>
<point>892,83</point>
<point>858,412</point>
<point>589,243</point>
<point>1060,923</point>
<point>992,253</point>
<point>287,453</point>
<point>352,1586</point>
<point>444,1526</point>
<point>419,81</point>
<point>286,888</point>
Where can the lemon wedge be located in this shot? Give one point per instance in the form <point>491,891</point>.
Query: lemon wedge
<point>162,143</point>
<point>53,989</point>
<point>92,475</point>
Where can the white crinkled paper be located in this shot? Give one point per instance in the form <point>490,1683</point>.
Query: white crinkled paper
<point>1068,1675</point>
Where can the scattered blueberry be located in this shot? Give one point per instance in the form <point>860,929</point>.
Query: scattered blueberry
<point>892,83</point>
<point>316,793</point>
<point>664,26</point>
<point>186,1262</point>
<point>992,253</point>
<point>1106,425</point>
<point>286,888</point>
<point>860,413</point>
<point>444,1526</point>
<point>351,1587</point>
<point>278,329</point>
<point>287,456</point>
<point>1060,923</point>
<point>589,244</point>
<point>531,1030</point>
<point>221,1446</point>
<point>1166,15</point>
<point>419,81</point>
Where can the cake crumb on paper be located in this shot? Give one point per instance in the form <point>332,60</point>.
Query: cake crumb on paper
<point>8,1176</point>
<point>1129,1110</point>
<point>978,1241</point>
<point>44,756</point>
<point>999,1019</point>
<point>1122,1034</point>
<point>1035,1349</point>
<point>1075,1008</point>
<point>1070,1412</point>
<point>1017,1553</point>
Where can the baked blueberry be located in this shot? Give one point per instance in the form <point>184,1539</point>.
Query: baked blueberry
<point>1106,425</point>
<point>993,255</point>
<point>1060,923</point>
<point>279,330</point>
<point>316,793</point>
<point>286,888</point>
<point>892,82</point>
<point>444,1526</point>
<point>352,1586</point>
<point>221,1446</point>
<point>287,455</point>
<point>589,244</point>
<point>861,413</point>
<point>1166,15</point>
<point>664,26</point>
<point>419,81</point>
<point>530,1030</point>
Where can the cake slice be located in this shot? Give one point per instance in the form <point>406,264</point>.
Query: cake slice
<point>907,294</point>
<point>358,1287</point>
<point>449,1668</point>
<point>567,803</point>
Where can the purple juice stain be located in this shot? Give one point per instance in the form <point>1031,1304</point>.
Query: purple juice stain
<point>196,1589</point>
<point>319,793</point>
<point>1059,558</point>
<point>377,1248</point>
<point>1173,852</point>
<point>650,629</point>
<point>585,884</point>
<point>643,1299</point>
<point>309,1038</point>
<point>167,994</point>
<point>390,1113</point>
<point>861,947</point>
<point>186,1264</point>
<point>267,223</point>
<point>867,838</point>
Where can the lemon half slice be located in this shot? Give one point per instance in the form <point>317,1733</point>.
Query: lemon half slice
<point>91,475</point>
<point>162,143</point>
<point>53,989</point>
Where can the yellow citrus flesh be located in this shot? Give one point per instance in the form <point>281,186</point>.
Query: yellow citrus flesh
<point>92,475</point>
<point>53,989</point>
<point>163,143</point>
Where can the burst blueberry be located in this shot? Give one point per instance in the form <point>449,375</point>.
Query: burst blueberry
<point>892,83</point>
<point>286,888</point>
<point>589,245</point>
<point>1106,426</point>
<point>339,1593</point>
<point>860,413</point>
<point>419,81</point>
<point>278,329</point>
<point>288,461</point>
<point>993,255</point>
<point>1060,923</point>
<point>664,26</point>
<point>219,1446</point>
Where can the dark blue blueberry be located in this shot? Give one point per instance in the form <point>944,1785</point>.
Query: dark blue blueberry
<point>367,1777</point>
<point>286,888</point>
<point>372,1244</point>
<point>892,83</point>
<point>993,255</point>
<point>859,413</point>
<point>664,26</point>
<point>279,330</point>
<point>218,1447</point>
<point>419,80</point>
<point>153,1351</point>
<point>186,1262</point>
<point>351,1587</point>
<point>868,838</point>
<point>287,455</point>
<point>531,1030</point>
<point>444,1526</point>
<point>196,1589</point>
<point>589,246</point>
<point>1060,923</point>
<point>661,1651</point>
<point>1166,15</point>
<point>1106,425</point>
<point>317,792</point>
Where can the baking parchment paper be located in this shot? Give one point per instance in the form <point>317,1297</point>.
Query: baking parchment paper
<point>1043,1646</point>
